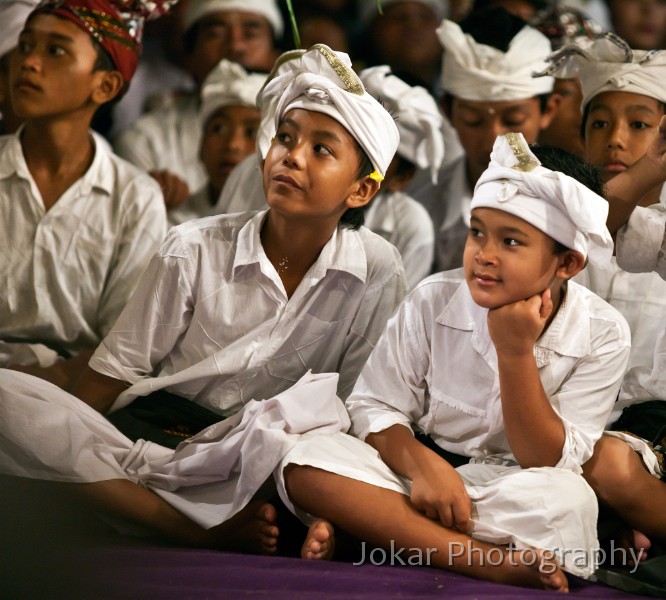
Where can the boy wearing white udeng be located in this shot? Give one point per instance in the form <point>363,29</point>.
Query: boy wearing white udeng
<point>512,367</point>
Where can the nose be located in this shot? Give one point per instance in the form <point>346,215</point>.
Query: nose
<point>28,59</point>
<point>617,136</point>
<point>486,253</point>
<point>237,43</point>
<point>236,139</point>
<point>294,156</point>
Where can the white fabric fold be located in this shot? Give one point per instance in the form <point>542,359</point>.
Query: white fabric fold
<point>563,208</point>
<point>478,72</point>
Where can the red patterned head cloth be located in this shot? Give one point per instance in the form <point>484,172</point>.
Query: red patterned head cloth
<point>116,24</point>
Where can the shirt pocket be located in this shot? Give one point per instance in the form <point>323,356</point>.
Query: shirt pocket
<point>455,419</point>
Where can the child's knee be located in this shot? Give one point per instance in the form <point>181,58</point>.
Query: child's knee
<point>612,468</point>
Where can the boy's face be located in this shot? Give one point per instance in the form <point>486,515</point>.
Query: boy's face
<point>51,71</point>
<point>242,37</point>
<point>618,129</point>
<point>506,259</point>
<point>310,169</point>
<point>642,23</point>
<point>479,123</point>
<point>229,136</point>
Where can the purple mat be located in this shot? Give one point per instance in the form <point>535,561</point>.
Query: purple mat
<point>54,550</point>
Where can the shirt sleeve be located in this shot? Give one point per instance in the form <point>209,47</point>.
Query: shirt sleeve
<point>157,315</point>
<point>135,146</point>
<point>418,251</point>
<point>392,388</point>
<point>143,229</point>
<point>641,243</point>
<point>587,396</point>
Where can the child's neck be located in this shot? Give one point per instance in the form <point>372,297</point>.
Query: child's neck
<point>292,247</point>
<point>57,153</point>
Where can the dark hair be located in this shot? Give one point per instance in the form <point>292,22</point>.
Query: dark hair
<point>353,218</point>
<point>586,113</point>
<point>492,26</point>
<point>557,159</point>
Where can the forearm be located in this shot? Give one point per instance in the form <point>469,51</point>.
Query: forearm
<point>534,430</point>
<point>63,373</point>
<point>401,451</point>
<point>97,390</point>
<point>626,191</point>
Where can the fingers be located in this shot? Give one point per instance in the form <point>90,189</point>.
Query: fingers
<point>546,304</point>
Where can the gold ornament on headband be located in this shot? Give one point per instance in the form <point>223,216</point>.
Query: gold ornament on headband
<point>349,78</point>
<point>526,160</point>
<point>377,176</point>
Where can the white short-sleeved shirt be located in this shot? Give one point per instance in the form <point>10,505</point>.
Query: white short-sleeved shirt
<point>448,204</point>
<point>435,369</point>
<point>67,273</point>
<point>211,319</point>
<point>402,221</point>
<point>167,138</point>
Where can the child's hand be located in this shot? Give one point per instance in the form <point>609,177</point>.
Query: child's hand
<point>656,151</point>
<point>439,493</point>
<point>174,189</point>
<point>514,328</point>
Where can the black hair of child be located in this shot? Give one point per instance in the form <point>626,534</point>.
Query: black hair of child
<point>558,159</point>
<point>353,218</point>
<point>493,27</point>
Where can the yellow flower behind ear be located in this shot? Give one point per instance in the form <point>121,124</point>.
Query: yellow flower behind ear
<point>378,177</point>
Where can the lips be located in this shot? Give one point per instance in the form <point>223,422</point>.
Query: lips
<point>484,279</point>
<point>615,166</point>
<point>286,180</point>
<point>26,84</point>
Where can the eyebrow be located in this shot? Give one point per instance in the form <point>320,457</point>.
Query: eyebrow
<point>603,106</point>
<point>57,36</point>
<point>505,230</point>
<point>322,133</point>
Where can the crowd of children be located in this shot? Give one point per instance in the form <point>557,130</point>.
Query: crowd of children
<point>372,288</point>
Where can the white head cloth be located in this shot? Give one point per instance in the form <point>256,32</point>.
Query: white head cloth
<point>267,8</point>
<point>368,8</point>
<point>482,73</point>
<point>229,84</point>
<point>322,80</point>
<point>417,117</point>
<point>561,207</point>
<point>608,64</point>
<point>13,14</point>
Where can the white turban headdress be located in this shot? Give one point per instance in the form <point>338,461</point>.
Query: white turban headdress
<point>560,206</point>
<point>322,80</point>
<point>229,84</point>
<point>417,117</point>
<point>266,8</point>
<point>13,14</point>
<point>479,72</point>
<point>608,64</point>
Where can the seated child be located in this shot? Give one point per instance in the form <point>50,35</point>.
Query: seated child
<point>506,365</point>
<point>79,224</point>
<point>627,472</point>
<point>229,120</point>
<point>623,101</point>
<point>232,308</point>
<point>392,213</point>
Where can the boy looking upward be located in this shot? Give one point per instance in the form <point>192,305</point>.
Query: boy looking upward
<point>79,224</point>
<point>505,365</point>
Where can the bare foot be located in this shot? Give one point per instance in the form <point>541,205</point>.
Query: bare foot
<point>319,542</point>
<point>635,545</point>
<point>532,568</point>
<point>254,529</point>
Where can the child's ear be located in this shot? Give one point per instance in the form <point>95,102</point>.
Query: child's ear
<point>551,108</point>
<point>362,192</point>
<point>571,263</point>
<point>109,85</point>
